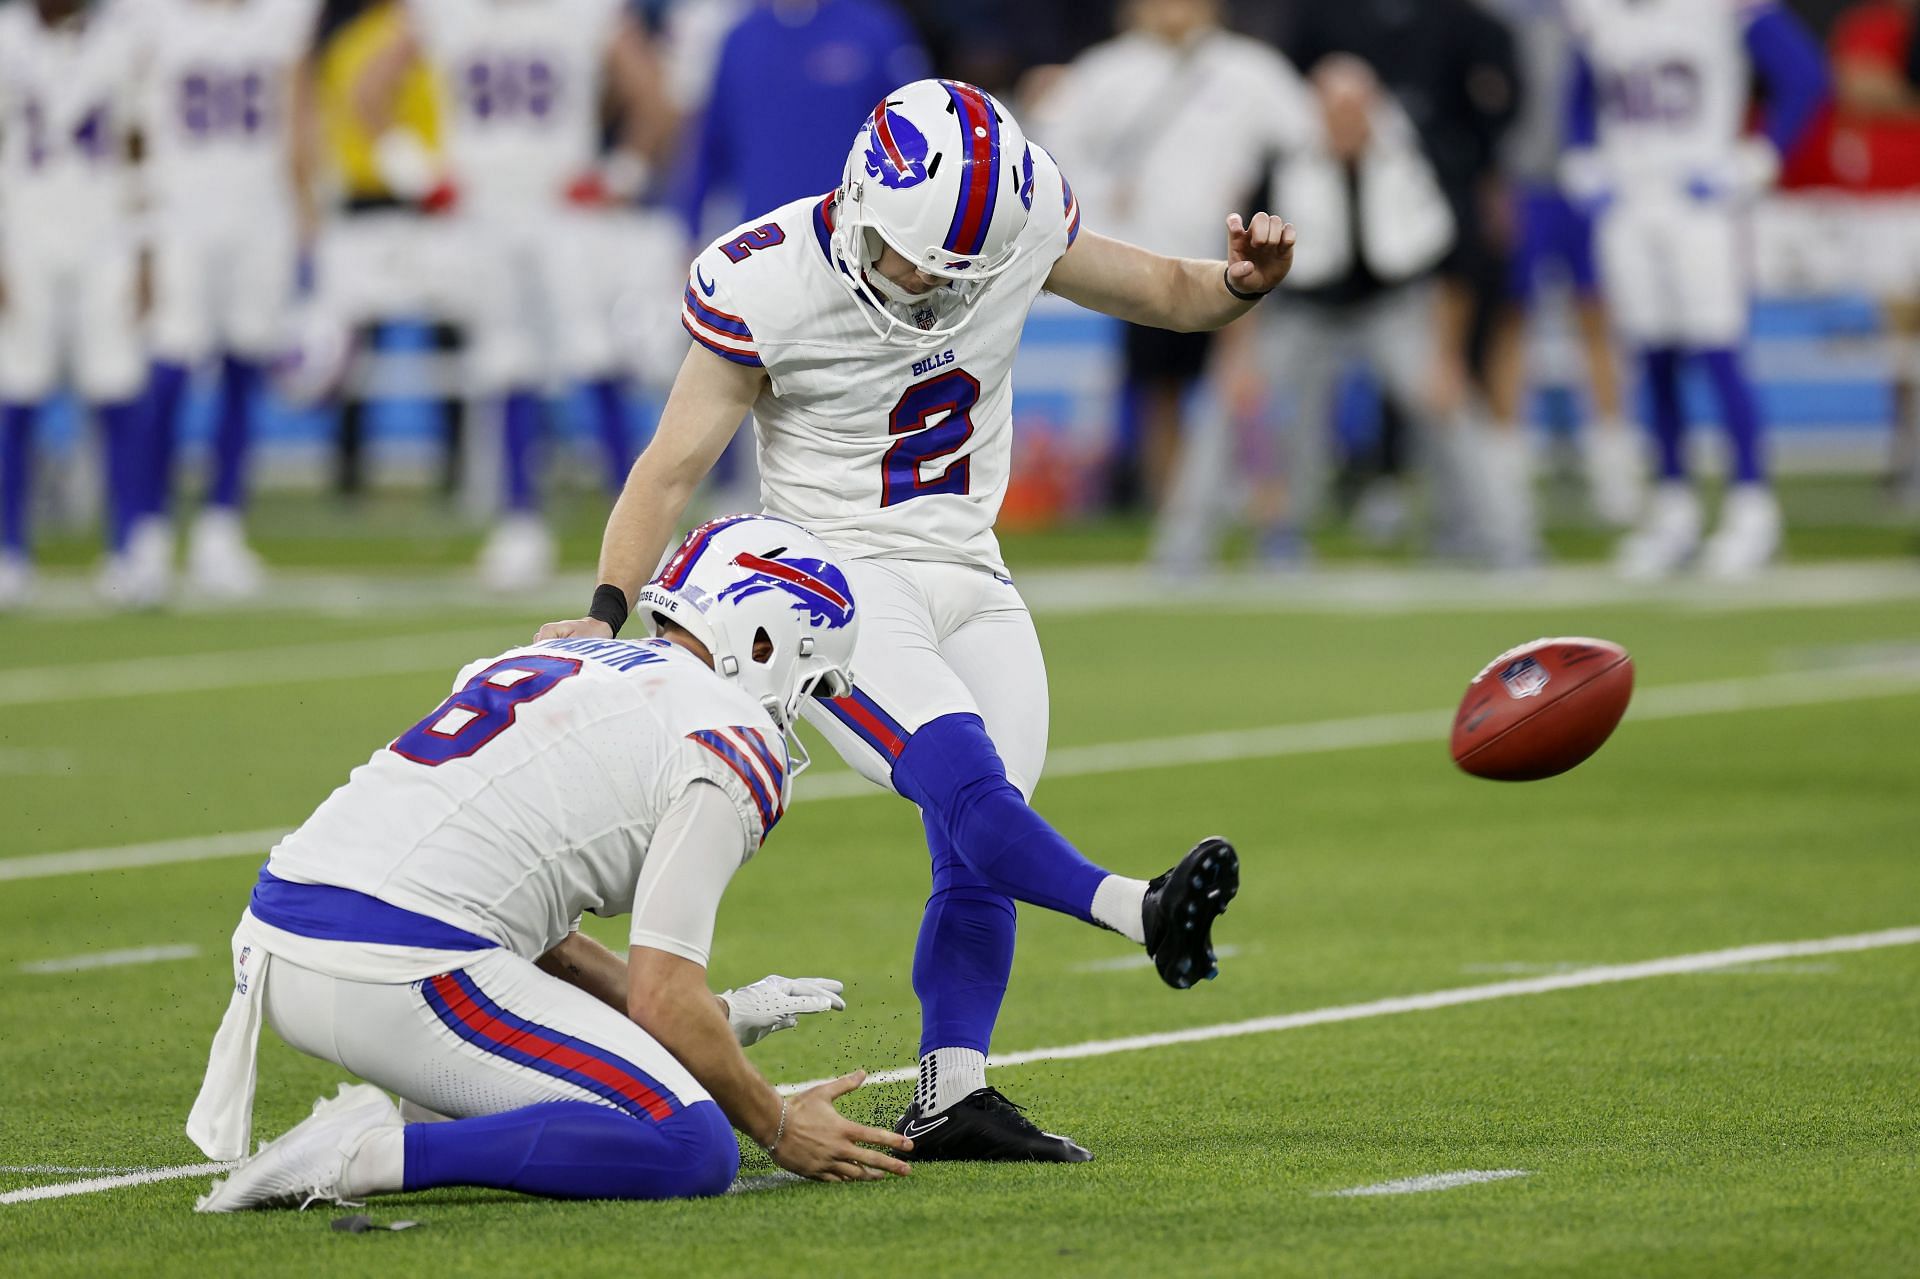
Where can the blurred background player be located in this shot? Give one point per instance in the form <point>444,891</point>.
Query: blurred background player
<point>1551,248</point>
<point>784,84</point>
<point>1373,225</point>
<point>525,188</point>
<point>1659,147</point>
<point>226,128</point>
<point>1164,126</point>
<point>68,266</point>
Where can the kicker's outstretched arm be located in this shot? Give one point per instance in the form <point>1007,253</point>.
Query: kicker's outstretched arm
<point>1183,294</point>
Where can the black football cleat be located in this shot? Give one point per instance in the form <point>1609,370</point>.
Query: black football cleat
<point>1180,909</point>
<point>985,1125</point>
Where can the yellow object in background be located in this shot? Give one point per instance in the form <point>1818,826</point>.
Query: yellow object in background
<point>349,147</point>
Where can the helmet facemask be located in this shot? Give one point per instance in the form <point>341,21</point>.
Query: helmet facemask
<point>941,175</point>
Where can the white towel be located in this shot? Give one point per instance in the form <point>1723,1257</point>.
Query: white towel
<point>221,1122</point>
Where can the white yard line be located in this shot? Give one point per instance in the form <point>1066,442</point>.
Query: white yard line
<point>1604,975</point>
<point>162,852</point>
<point>247,668</point>
<point>110,959</point>
<point>1432,1181</point>
<point>1348,590</point>
<point>94,1185</point>
<point>35,763</point>
<point>1673,701</point>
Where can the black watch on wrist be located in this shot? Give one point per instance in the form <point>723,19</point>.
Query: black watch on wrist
<point>1226,278</point>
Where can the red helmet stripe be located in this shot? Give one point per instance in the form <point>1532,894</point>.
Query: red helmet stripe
<point>979,131</point>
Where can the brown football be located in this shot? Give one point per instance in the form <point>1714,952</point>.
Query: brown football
<point>1539,709</point>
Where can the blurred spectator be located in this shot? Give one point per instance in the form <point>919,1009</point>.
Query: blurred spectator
<point>1876,145</point>
<point>794,82</point>
<point>370,242</point>
<point>1551,243</point>
<point>1373,222</point>
<point>1452,67</point>
<point>1163,130</point>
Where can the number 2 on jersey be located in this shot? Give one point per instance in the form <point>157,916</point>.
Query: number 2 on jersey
<point>949,397</point>
<point>483,709</point>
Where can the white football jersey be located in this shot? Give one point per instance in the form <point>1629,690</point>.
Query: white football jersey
<point>880,449</point>
<point>532,793</point>
<point>1670,83</point>
<point>65,115</point>
<point>216,94</point>
<point>521,81</point>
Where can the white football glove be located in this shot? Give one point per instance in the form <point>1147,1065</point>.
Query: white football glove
<point>776,1003</point>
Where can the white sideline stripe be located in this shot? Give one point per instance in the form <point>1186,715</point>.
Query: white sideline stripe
<point>244,668</point>
<point>93,1185</point>
<point>1432,1181</point>
<point>1601,976</point>
<point>110,959</point>
<point>1673,701</point>
<point>1604,975</point>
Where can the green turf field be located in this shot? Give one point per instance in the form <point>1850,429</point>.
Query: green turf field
<point>1757,1119</point>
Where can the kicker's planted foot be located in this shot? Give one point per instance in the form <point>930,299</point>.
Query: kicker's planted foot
<point>985,1125</point>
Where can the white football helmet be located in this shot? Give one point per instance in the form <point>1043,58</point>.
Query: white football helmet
<point>743,576</point>
<point>942,174</point>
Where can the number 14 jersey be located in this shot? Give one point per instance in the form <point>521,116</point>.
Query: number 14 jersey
<point>882,449</point>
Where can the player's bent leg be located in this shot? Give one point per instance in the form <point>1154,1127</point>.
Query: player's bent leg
<point>556,1094</point>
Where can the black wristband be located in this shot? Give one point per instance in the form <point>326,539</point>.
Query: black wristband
<point>1226,278</point>
<point>609,606</point>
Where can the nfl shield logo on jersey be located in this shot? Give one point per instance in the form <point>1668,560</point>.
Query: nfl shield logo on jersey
<point>1524,678</point>
<point>924,317</point>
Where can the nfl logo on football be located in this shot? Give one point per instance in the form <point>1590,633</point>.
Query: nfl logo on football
<point>1524,678</point>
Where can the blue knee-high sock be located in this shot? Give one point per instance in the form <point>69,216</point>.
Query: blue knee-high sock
<point>610,420</point>
<point>578,1150</point>
<point>522,438</point>
<point>1661,368</point>
<point>123,427</point>
<point>233,430</point>
<point>951,769</point>
<point>16,474</point>
<point>964,955</point>
<point>166,401</point>
<point>1739,414</point>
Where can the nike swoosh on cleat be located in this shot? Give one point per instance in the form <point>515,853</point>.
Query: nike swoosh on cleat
<point>704,286</point>
<point>917,1129</point>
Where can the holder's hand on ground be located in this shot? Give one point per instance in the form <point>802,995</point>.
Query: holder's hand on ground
<point>823,1144</point>
<point>1259,253</point>
<point>777,1003</point>
<point>578,628</point>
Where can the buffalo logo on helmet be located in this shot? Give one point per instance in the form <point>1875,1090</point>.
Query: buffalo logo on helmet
<point>896,150</point>
<point>1026,179</point>
<point>1524,678</point>
<point>818,588</point>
